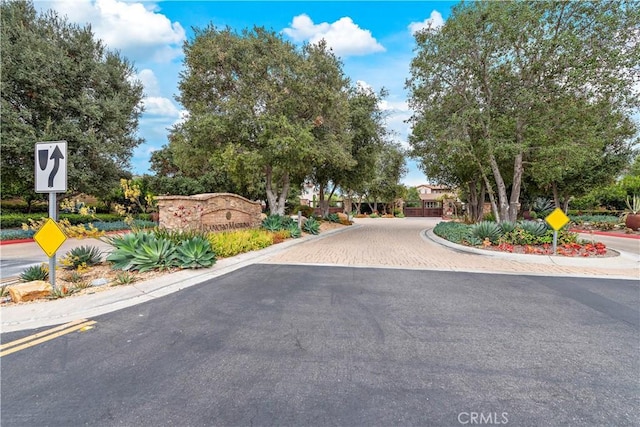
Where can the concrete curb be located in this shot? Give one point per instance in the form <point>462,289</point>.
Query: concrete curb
<point>623,260</point>
<point>37,315</point>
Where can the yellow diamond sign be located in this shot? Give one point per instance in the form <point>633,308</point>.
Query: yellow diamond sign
<point>557,219</point>
<point>50,237</point>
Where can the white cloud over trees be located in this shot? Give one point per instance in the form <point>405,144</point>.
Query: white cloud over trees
<point>433,22</point>
<point>135,28</point>
<point>344,36</point>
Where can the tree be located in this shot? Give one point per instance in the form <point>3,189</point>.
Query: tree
<point>250,103</point>
<point>332,141</point>
<point>368,137</point>
<point>389,168</point>
<point>60,83</point>
<point>505,65</point>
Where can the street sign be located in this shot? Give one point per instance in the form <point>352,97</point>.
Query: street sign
<point>557,219</point>
<point>51,167</point>
<point>50,237</point>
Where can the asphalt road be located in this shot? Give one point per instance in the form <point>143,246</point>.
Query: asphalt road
<point>329,346</point>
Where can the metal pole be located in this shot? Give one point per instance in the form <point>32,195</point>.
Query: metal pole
<point>555,241</point>
<point>300,220</point>
<point>53,214</point>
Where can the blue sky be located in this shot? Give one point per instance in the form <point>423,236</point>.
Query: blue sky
<point>373,39</point>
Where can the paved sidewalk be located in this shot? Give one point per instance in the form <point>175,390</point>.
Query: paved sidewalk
<point>370,243</point>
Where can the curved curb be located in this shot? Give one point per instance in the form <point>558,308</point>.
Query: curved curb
<point>623,260</point>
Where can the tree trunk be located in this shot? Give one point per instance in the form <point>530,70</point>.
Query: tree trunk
<point>473,200</point>
<point>514,202</point>
<point>503,200</point>
<point>276,203</point>
<point>323,203</point>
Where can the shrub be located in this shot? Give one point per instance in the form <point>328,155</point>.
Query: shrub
<point>489,217</point>
<point>229,243</point>
<point>486,230</point>
<point>520,237</point>
<point>16,234</point>
<point>280,236</point>
<point>307,211</point>
<point>453,231</point>
<point>374,215</point>
<point>178,236</point>
<point>195,252</point>
<point>311,226</point>
<point>35,272</point>
<point>81,256</point>
<point>399,215</point>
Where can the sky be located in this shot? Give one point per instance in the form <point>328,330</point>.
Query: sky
<point>374,40</point>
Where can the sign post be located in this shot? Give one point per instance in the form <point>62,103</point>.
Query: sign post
<point>556,219</point>
<point>51,177</point>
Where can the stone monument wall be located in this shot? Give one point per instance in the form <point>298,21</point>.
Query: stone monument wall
<point>208,212</point>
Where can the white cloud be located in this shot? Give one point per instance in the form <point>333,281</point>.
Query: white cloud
<point>159,106</point>
<point>132,27</point>
<point>149,81</point>
<point>433,22</point>
<point>343,36</point>
<point>184,115</point>
<point>393,105</point>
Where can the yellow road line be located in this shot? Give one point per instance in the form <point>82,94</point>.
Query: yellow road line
<point>47,337</point>
<point>41,334</point>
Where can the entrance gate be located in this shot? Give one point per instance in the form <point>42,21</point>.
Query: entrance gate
<point>429,209</point>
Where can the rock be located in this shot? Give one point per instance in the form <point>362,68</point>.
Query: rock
<point>99,282</point>
<point>343,216</point>
<point>30,291</point>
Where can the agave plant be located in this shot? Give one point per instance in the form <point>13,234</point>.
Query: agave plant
<point>125,248</point>
<point>195,253</point>
<point>272,223</point>
<point>508,226</point>
<point>142,251</point>
<point>294,231</point>
<point>486,230</point>
<point>311,226</point>
<point>82,255</point>
<point>533,227</point>
<point>155,254</point>
<point>541,204</point>
<point>473,241</point>
<point>333,217</point>
<point>35,272</point>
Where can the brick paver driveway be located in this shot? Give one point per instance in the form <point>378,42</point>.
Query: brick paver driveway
<point>402,243</point>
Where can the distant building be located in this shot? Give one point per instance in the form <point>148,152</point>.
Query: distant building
<point>432,197</point>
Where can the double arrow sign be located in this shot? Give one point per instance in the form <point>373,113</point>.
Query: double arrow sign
<point>51,167</point>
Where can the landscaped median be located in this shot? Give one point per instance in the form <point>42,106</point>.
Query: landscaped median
<point>143,254</point>
<point>523,237</point>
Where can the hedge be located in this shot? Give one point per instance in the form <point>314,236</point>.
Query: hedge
<point>15,220</point>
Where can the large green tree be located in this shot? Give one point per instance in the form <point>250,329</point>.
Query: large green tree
<point>252,110</point>
<point>329,89</point>
<point>505,65</point>
<point>60,83</point>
